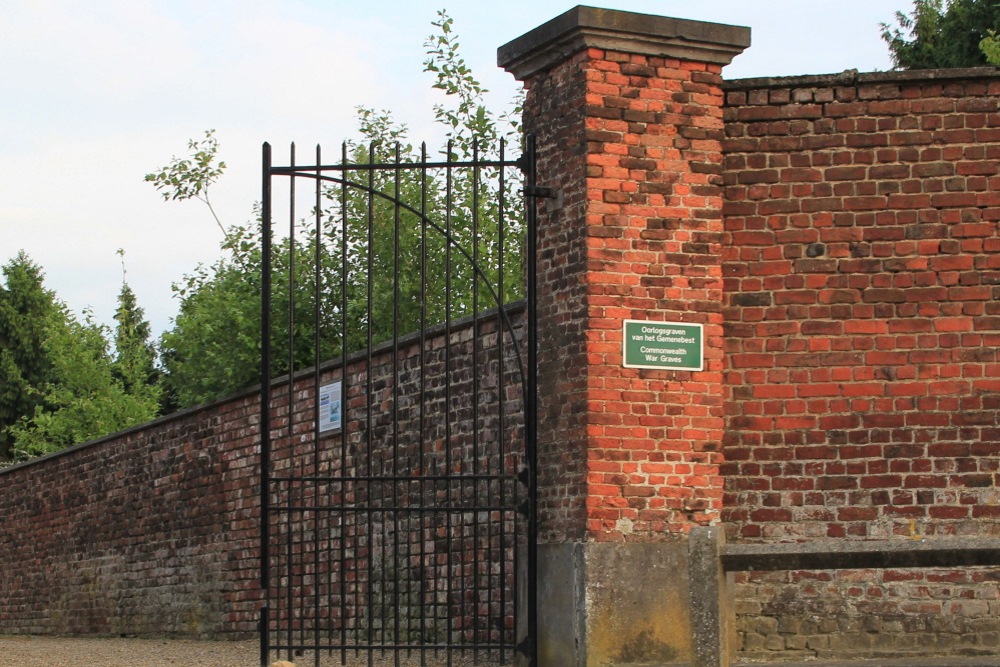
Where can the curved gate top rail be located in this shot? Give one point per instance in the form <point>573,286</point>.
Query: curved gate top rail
<point>398,444</point>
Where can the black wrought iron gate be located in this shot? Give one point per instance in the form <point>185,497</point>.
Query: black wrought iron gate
<point>397,444</point>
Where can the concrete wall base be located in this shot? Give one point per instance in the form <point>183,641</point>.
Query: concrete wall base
<point>613,604</point>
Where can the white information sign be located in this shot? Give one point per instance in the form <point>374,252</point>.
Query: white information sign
<point>330,408</point>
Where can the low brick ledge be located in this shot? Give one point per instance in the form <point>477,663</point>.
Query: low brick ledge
<point>915,660</point>
<point>836,555</point>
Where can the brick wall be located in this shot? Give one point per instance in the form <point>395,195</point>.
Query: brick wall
<point>155,531</point>
<point>862,307</point>
<point>150,532</point>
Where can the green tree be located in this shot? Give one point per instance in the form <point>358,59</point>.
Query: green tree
<point>135,354</point>
<point>944,33</point>
<point>25,308</point>
<point>213,347</point>
<point>81,399</point>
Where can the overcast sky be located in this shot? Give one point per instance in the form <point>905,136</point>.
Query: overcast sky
<point>96,94</point>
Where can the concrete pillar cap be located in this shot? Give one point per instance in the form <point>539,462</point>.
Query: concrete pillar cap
<point>589,27</point>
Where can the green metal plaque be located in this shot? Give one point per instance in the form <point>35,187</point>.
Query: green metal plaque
<point>666,345</point>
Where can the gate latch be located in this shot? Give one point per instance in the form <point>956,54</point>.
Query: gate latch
<point>537,191</point>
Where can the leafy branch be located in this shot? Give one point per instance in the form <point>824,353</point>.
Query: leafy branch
<point>191,177</point>
<point>469,121</point>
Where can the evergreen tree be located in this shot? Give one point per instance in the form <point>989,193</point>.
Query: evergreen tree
<point>59,384</point>
<point>135,354</point>
<point>943,33</point>
<point>82,399</point>
<point>25,309</point>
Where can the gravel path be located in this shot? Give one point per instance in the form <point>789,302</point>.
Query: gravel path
<point>77,652</point>
<point>24,651</point>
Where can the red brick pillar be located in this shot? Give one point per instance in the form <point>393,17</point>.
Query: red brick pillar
<point>627,112</point>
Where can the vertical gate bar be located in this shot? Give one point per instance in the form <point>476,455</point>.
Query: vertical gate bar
<point>265,403</point>
<point>447,393</point>
<point>395,406</point>
<point>501,427</point>
<point>475,400</point>
<point>265,650</point>
<point>290,407</point>
<point>343,417</point>
<point>381,460</point>
<point>368,398</point>
<point>531,404</point>
<point>317,313</point>
<point>289,576</point>
<point>423,347</point>
<point>491,448</point>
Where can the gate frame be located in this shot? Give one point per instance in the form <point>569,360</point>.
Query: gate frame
<point>524,590</point>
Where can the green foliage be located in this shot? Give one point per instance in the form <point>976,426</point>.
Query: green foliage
<point>82,399</point>
<point>25,308</point>
<point>59,385</point>
<point>421,268</point>
<point>213,348</point>
<point>990,46</point>
<point>347,216</point>
<point>191,177</point>
<point>944,33</point>
<point>468,118</point>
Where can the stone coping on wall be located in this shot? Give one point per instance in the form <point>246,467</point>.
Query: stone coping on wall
<point>853,77</point>
<point>331,364</point>
<point>942,552</point>
<point>590,27</point>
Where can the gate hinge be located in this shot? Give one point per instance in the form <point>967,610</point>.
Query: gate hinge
<point>537,191</point>
<point>523,508</point>
<point>524,647</point>
<point>524,477</point>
